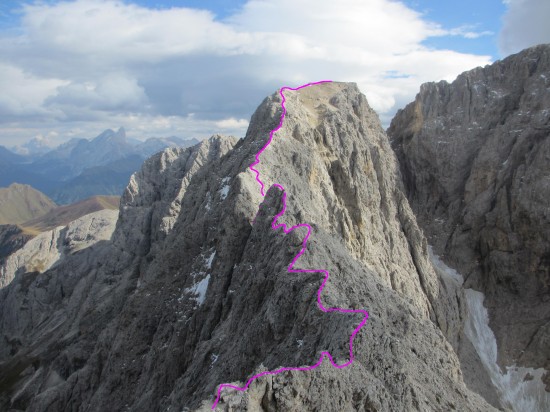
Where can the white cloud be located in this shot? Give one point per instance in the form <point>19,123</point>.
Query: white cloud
<point>232,124</point>
<point>93,64</point>
<point>467,31</point>
<point>23,93</point>
<point>125,32</point>
<point>525,24</point>
<point>358,24</point>
<point>115,91</point>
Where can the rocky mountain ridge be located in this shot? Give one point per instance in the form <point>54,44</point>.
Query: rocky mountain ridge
<point>475,160</point>
<point>192,290</point>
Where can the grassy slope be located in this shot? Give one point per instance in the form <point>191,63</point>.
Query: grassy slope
<point>19,203</point>
<point>63,215</point>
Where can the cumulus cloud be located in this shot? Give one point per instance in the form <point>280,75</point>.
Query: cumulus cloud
<point>23,93</point>
<point>232,124</point>
<point>525,24</point>
<point>124,32</point>
<point>114,92</point>
<point>92,64</point>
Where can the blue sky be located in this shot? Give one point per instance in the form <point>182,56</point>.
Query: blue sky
<point>479,15</point>
<point>158,68</point>
<point>222,8</point>
<point>9,15</point>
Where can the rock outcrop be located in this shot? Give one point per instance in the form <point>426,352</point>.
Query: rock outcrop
<point>475,160</point>
<point>48,248</point>
<point>12,238</point>
<point>193,290</point>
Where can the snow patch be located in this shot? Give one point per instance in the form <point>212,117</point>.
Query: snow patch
<point>498,93</point>
<point>199,290</point>
<point>208,205</point>
<point>224,191</point>
<point>442,269</point>
<point>514,391</point>
<point>209,260</point>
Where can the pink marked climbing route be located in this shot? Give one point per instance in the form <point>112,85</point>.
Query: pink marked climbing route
<point>275,225</point>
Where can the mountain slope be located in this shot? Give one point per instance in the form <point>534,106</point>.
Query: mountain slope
<point>109,179</point>
<point>7,156</point>
<point>19,203</point>
<point>193,290</point>
<point>53,246</point>
<point>475,159</point>
<point>63,215</point>
<point>13,173</point>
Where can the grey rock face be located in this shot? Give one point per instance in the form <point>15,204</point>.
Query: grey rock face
<point>475,159</point>
<point>193,289</point>
<point>12,238</point>
<point>47,248</point>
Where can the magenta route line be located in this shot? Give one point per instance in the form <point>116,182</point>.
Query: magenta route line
<point>275,226</point>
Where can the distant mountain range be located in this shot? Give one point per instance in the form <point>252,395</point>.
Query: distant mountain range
<point>81,168</point>
<point>34,147</point>
<point>7,156</point>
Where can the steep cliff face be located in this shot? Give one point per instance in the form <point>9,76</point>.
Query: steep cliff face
<point>475,159</point>
<point>193,289</point>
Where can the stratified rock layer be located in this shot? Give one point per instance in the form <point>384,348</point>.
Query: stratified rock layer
<point>475,159</point>
<point>193,290</point>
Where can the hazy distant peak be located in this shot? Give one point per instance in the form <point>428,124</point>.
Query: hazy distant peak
<point>82,167</point>
<point>36,146</point>
<point>111,135</point>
